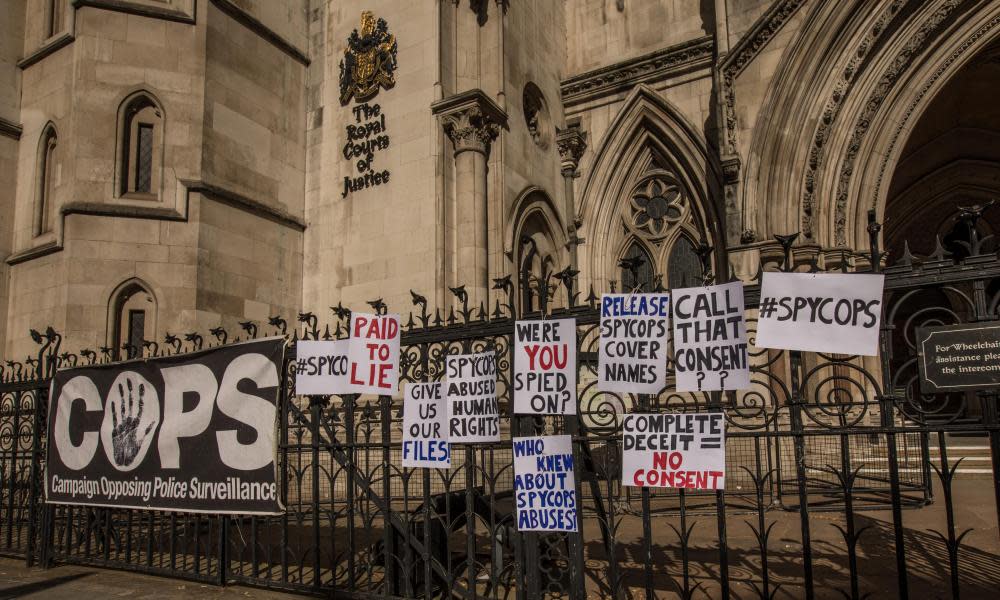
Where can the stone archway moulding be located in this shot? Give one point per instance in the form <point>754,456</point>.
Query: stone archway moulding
<point>824,149</point>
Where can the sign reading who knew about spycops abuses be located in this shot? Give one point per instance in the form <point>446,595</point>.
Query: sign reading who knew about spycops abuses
<point>473,415</point>
<point>633,343</point>
<point>321,367</point>
<point>425,426</point>
<point>820,312</point>
<point>192,433</point>
<point>674,450</point>
<point>710,338</point>
<point>374,354</point>
<point>545,367</point>
<point>544,486</point>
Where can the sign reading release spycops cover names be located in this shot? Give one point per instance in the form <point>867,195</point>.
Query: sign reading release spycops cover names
<point>820,312</point>
<point>545,367</point>
<point>425,426</point>
<point>959,357</point>
<point>710,338</point>
<point>676,450</point>
<point>633,343</point>
<point>321,367</point>
<point>544,487</point>
<point>193,433</point>
<point>473,414</point>
<point>374,354</point>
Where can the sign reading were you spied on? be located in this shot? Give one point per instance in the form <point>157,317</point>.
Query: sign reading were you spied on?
<point>545,367</point>
<point>193,433</point>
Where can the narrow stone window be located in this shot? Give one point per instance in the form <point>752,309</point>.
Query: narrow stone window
<point>47,172</point>
<point>53,17</point>
<point>684,265</point>
<point>140,154</point>
<point>131,319</point>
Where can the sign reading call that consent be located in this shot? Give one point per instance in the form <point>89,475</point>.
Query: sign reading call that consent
<point>473,414</point>
<point>674,450</point>
<point>710,338</point>
<point>633,343</point>
<point>545,367</point>
<point>374,354</point>
<point>425,426</point>
<point>544,487</point>
<point>193,433</point>
<point>820,312</point>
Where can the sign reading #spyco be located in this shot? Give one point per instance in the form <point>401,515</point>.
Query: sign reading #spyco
<point>192,433</point>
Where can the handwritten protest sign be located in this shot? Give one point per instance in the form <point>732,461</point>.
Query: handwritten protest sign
<point>425,433</point>
<point>674,450</point>
<point>321,367</point>
<point>710,338</point>
<point>633,344</point>
<point>545,367</point>
<point>374,354</point>
<point>821,312</point>
<point>544,488</point>
<point>473,415</point>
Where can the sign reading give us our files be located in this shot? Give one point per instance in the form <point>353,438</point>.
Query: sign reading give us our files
<point>633,344</point>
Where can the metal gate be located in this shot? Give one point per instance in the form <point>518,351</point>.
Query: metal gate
<point>839,478</point>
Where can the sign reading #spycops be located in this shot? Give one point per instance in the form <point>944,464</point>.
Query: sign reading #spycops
<point>192,433</point>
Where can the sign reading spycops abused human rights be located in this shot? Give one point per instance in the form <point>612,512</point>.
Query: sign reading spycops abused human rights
<point>710,338</point>
<point>473,414</point>
<point>633,343</point>
<point>425,426</point>
<point>820,312</point>
<point>193,433</point>
<point>544,487</point>
<point>959,357</point>
<point>675,450</point>
<point>545,367</point>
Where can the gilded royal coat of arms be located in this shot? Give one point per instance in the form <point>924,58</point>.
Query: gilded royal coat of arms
<point>369,60</point>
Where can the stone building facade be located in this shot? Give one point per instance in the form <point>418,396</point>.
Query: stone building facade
<point>175,165</point>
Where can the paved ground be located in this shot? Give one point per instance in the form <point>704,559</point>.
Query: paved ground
<point>83,583</point>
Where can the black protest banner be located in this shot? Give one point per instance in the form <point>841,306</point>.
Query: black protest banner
<point>194,433</point>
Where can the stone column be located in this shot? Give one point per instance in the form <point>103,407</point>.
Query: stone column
<point>472,120</point>
<point>571,143</point>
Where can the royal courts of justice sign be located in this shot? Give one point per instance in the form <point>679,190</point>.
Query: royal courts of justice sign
<point>192,433</point>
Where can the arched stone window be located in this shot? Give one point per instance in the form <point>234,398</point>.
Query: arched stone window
<point>46,173</point>
<point>131,318</point>
<point>140,147</point>
<point>536,245</point>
